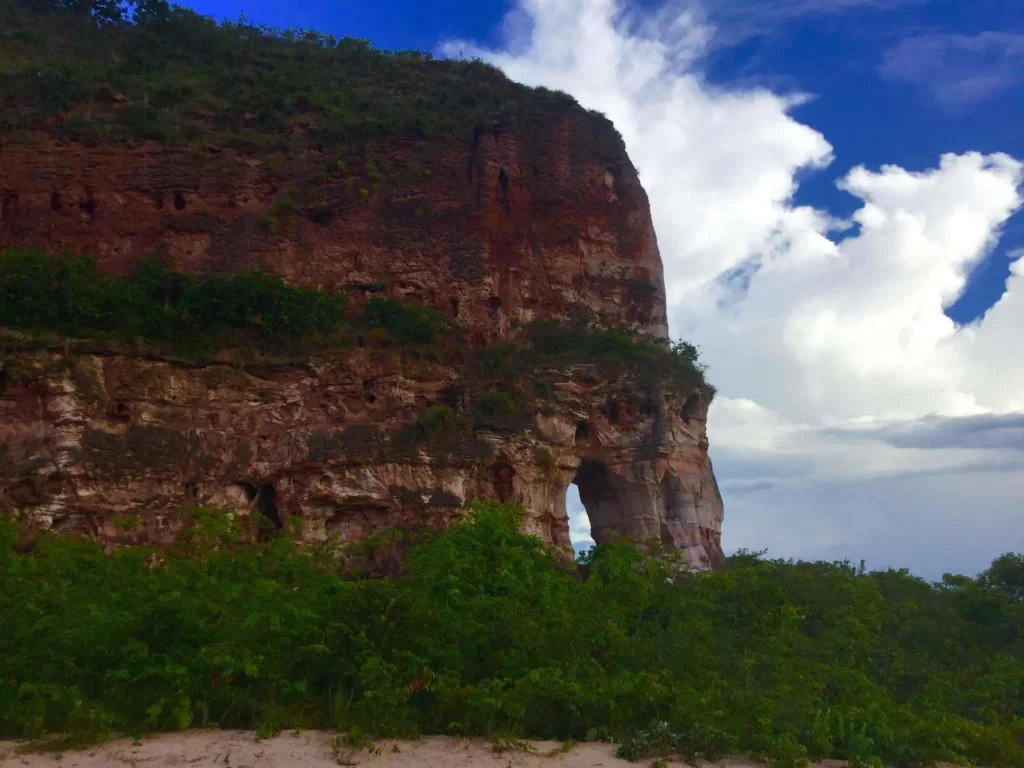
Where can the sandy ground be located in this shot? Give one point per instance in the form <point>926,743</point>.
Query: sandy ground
<point>313,749</point>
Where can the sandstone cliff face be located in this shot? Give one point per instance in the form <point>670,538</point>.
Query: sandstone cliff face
<point>88,440</point>
<point>494,230</point>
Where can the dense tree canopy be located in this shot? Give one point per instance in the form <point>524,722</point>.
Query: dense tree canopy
<point>487,633</point>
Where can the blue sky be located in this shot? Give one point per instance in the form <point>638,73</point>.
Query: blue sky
<point>836,186</point>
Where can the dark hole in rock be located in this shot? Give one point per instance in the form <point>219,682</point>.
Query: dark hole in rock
<point>248,489</point>
<point>504,486</point>
<point>614,411</point>
<point>179,201</point>
<point>368,394</point>
<point>494,303</point>
<point>191,490</point>
<point>10,207</point>
<point>266,504</point>
<point>121,411</point>
<point>454,396</point>
<point>671,497</point>
<point>27,492</point>
<point>582,432</point>
<point>690,407</point>
<point>55,202</point>
<point>88,206</point>
<point>455,307</point>
<point>503,180</point>
<point>324,481</point>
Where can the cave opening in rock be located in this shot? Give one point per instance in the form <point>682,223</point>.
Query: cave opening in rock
<point>582,437</point>
<point>504,482</point>
<point>266,505</point>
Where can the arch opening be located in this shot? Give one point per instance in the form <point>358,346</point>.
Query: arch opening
<point>599,507</point>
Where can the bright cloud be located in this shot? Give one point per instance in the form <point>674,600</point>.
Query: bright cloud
<point>820,334</point>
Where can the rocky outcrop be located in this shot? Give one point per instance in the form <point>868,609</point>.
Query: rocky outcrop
<point>494,230</point>
<point>88,442</point>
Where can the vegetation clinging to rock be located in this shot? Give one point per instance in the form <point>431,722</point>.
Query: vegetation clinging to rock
<point>70,295</point>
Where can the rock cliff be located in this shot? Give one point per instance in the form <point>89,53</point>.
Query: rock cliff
<point>494,226</point>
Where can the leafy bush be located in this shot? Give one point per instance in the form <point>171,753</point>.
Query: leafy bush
<point>71,295</point>
<point>544,460</point>
<point>433,422</point>
<point>498,410</point>
<point>697,742</point>
<point>582,340</point>
<point>1007,574</point>
<point>486,633</point>
<point>403,322</point>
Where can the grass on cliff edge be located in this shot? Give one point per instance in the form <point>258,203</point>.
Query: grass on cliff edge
<point>168,74</point>
<point>487,633</point>
<point>195,315</point>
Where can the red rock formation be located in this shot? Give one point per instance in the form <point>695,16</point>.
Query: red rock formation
<point>494,230</point>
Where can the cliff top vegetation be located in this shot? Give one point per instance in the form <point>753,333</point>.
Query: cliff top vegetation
<point>108,71</point>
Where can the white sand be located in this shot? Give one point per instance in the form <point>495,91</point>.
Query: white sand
<point>313,749</point>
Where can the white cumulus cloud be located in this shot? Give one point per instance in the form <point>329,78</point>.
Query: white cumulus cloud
<point>820,333</point>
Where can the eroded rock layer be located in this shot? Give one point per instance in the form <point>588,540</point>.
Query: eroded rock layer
<point>494,229</point>
<point>88,442</point>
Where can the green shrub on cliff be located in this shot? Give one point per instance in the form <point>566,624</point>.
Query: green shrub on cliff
<point>70,295</point>
<point>579,339</point>
<point>487,633</point>
<point>403,322</point>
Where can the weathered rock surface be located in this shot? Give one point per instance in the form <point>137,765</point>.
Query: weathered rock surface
<point>492,230</point>
<point>87,441</point>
